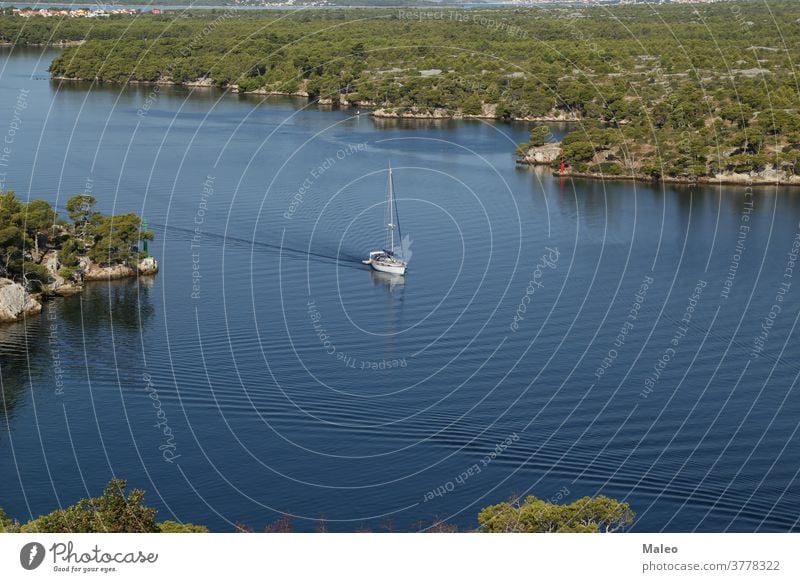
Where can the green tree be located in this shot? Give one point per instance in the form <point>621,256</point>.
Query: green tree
<point>34,275</point>
<point>117,510</point>
<point>472,105</point>
<point>170,526</point>
<point>577,152</point>
<point>540,135</point>
<point>357,50</point>
<point>585,515</point>
<point>116,239</point>
<point>13,239</point>
<point>41,220</point>
<point>737,113</point>
<point>80,207</point>
<point>7,525</point>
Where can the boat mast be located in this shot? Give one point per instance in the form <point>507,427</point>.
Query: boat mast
<point>397,221</point>
<point>390,225</point>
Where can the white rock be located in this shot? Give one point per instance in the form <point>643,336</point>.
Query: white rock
<point>15,302</point>
<point>545,154</point>
<point>148,266</point>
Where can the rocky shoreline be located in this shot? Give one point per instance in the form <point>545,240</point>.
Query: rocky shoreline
<point>753,179</point>
<point>16,303</point>
<point>550,153</point>
<point>488,110</point>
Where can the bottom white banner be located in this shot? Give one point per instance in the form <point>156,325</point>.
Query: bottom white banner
<point>371,557</point>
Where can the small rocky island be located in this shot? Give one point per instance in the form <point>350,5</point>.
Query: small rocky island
<point>595,150</point>
<point>43,255</point>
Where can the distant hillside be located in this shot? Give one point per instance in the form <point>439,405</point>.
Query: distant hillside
<point>664,92</point>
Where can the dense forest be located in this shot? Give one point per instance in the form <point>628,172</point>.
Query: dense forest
<point>660,91</point>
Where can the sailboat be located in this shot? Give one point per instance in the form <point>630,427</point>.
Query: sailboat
<point>387,260</point>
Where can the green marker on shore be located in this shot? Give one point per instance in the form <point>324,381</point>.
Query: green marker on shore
<point>144,241</point>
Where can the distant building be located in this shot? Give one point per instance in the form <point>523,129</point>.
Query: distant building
<point>69,13</point>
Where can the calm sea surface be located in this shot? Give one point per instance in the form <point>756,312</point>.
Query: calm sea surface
<point>621,337</point>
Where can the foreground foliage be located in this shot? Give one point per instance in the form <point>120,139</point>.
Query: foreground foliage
<point>119,510</point>
<point>585,515</point>
<point>115,511</point>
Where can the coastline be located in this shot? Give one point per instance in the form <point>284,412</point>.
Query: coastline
<point>720,180</point>
<point>55,44</point>
<point>551,155</point>
<point>383,111</point>
<point>488,113</point>
<point>16,303</point>
<point>389,112</point>
<point>703,180</point>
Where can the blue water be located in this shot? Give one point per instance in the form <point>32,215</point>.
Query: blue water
<point>292,379</point>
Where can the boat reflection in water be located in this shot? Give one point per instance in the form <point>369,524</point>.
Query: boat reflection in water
<point>389,280</point>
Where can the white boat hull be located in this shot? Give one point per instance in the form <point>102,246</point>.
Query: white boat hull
<point>399,269</point>
<point>381,262</point>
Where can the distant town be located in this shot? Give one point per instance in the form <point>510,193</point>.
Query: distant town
<point>77,12</point>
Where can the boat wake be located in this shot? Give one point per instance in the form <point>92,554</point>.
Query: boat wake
<point>345,259</point>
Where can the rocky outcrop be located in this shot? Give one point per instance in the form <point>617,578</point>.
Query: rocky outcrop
<point>766,177</point>
<point>59,285</point>
<point>301,91</point>
<point>543,155</point>
<point>266,91</point>
<point>201,82</point>
<point>15,302</point>
<point>148,266</point>
<point>94,272</point>
<point>412,113</point>
<point>553,116</point>
<point>488,111</point>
